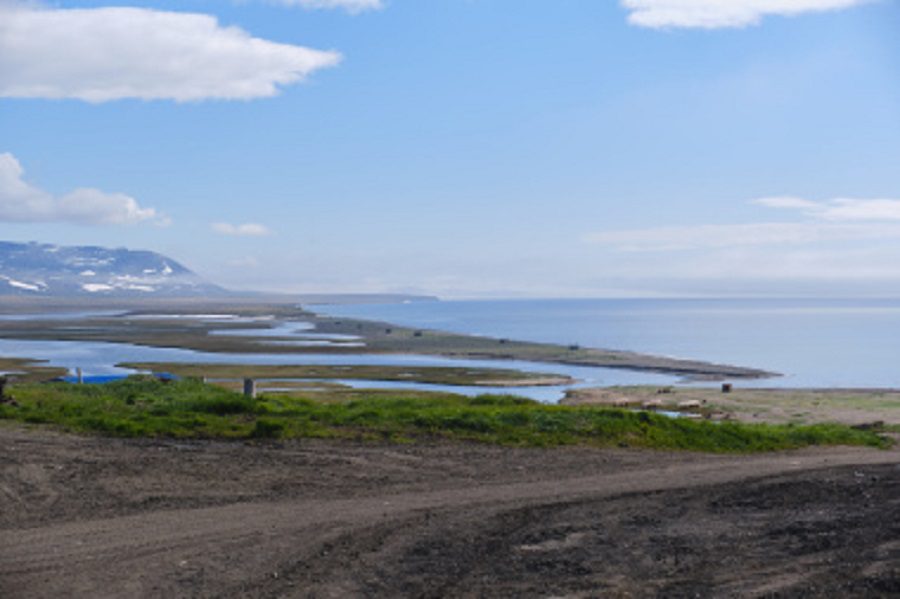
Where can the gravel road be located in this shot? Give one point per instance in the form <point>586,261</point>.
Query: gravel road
<point>92,517</point>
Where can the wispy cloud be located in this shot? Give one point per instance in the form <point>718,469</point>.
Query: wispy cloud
<point>104,54</point>
<point>22,202</point>
<point>840,219</point>
<point>351,6</point>
<point>245,262</point>
<point>714,14</point>
<point>241,230</point>
<point>739,235</point>
<point>839,209</point>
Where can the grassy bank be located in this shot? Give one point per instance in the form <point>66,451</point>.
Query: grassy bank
<point>26,370</point>
<point>437,375</point>
<point>140,406</point>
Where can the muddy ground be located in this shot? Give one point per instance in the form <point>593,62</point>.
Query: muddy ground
<point>89,517</point>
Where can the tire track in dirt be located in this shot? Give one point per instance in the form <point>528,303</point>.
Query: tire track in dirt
<point>148,553</point>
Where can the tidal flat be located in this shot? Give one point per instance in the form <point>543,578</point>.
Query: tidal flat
<point>221,327</point>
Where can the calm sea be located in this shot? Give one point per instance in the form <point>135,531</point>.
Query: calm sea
<point>814,343</point>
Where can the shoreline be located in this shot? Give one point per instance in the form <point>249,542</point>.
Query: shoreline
<point>169,329</point>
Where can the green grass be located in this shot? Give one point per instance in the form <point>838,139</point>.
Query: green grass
<point>26,370</point>
<point>438,375</point>
<point>143,406</point>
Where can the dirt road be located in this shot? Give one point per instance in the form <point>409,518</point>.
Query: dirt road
<point>84,517</point>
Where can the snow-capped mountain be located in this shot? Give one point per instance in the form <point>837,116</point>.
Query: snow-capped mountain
<point>52,270</point>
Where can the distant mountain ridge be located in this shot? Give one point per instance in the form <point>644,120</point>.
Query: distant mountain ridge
<point>40,269</point>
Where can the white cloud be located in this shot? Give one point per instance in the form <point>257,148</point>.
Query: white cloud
<point>738,235</point>
<point>713,14</point>
<point>841,219</point>
<point>787,202</point>
<point>351,6</point>
<point>839,209</point>
<point>242,230</point>
<point>833,244</point>
<point>106,54</point>
<point>22,202</point>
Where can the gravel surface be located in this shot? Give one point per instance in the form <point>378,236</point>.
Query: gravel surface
<point>92,517</point>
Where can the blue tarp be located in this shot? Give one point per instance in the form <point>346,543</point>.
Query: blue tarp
<point>102,379</point>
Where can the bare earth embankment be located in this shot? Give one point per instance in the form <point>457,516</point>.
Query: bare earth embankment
<point>92,517</point>
<point>855,407</point>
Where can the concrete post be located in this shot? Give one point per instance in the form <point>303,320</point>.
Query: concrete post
<point>250,388</point>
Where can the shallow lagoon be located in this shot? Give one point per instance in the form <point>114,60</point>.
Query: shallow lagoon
<point>99,358</point>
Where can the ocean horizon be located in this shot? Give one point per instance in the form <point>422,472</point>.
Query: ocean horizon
<point>845,343</point>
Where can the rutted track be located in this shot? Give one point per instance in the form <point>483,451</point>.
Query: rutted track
<point>95,517</point>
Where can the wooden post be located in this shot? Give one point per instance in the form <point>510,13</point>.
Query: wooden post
<point>80,376</point>
<point>250,388</point>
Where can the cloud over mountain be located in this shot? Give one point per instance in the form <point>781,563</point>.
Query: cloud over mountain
<point>22,202</point>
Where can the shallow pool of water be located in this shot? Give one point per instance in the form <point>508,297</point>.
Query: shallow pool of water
<point>100,358</point>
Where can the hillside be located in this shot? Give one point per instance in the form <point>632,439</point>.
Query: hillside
<point>36,269</point>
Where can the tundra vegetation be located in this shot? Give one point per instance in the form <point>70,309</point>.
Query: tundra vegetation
<point>285,373</point>
<point>26,370</point>
<point>145,406</point>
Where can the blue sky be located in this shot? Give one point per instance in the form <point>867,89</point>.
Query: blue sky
<point>467,148</point>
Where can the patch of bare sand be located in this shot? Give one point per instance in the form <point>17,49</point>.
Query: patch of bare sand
<point>848,406</point>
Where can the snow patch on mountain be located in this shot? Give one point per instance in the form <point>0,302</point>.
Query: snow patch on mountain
<point>51,270</point>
